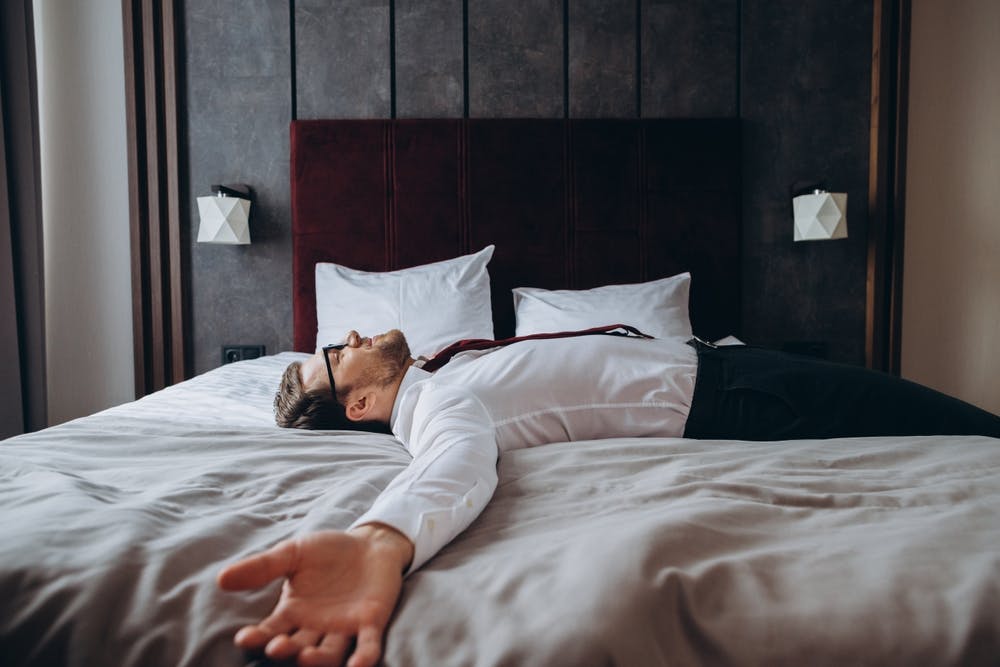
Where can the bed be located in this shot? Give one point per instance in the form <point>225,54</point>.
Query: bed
<point>652,551</point>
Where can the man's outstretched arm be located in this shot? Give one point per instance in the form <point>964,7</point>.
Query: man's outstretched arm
<point>340,587</point>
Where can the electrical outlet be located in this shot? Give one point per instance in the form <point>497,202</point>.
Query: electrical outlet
<point>231,353</point>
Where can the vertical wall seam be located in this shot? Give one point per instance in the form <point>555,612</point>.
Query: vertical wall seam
<point>739,58</point>
<point>291,59</point>
<point>565,58</point>
<point>465,58</point>
<point>638,58</point>
<point>392,58</point>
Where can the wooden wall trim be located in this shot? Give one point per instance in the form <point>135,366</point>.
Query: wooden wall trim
<point>887,184</point>
<point>158,295</point>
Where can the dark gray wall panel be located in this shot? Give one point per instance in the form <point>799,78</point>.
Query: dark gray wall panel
<point>801,86</point>
<point>690,58</point>
<point>429,59</point>
<point>516,59</point>
<point>805,98</point>
<point>602,65</point>
<point>238,108</point>
<point>342,58</point>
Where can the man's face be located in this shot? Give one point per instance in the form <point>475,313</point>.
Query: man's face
<point>362,362</point>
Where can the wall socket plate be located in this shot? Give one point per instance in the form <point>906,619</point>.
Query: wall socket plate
<point>231,353</point>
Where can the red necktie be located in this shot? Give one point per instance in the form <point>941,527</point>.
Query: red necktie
<point>445,355</point>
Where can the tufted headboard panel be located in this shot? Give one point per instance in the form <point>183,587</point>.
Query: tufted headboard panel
<point>568,203</point>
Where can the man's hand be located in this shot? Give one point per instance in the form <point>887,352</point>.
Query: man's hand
<point>339,587</point>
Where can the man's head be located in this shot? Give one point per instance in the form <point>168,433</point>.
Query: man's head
<point>366,373</point>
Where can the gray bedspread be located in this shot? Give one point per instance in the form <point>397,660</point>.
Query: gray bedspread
<point>614,552</point>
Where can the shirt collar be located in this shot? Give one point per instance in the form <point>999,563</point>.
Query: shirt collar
<point>412,376</point>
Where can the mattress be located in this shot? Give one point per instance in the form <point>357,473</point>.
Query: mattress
<point>653,551</point>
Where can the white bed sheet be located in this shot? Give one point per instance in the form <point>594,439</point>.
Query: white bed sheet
<point>623,551</point>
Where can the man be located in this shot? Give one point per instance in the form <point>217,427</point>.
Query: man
<point>342,586</point>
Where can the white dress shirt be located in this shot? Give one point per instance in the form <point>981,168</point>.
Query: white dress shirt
<point>455,422</point>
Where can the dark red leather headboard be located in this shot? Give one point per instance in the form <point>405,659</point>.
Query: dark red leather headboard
<point>568,203</point>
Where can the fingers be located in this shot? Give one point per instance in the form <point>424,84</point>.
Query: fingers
<point>252,637</point>
<point>368,649</point>
<point>259,569</point>
<point>282,646</point>
<point>330,652</point>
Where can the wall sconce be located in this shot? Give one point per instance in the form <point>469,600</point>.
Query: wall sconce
<point>225,216</point>
<point>820,215</point>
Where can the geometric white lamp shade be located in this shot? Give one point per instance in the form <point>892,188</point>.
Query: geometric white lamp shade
<point>820,216</point>
<point>224,219</point>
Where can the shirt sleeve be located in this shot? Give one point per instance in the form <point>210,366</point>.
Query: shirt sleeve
<point>451,478</point>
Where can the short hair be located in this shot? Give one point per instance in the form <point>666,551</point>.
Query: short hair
<point>298,407</point>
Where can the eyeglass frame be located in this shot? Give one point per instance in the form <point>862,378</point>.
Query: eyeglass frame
<point>329,370</point>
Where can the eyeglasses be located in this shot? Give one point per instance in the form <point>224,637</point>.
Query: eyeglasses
<point>329,371</point>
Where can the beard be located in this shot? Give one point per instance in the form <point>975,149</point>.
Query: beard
<point>393,349</point>
<point>393,357</point>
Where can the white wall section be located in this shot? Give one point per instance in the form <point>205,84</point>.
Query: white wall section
<point>88,307</point>
<point>951,270</point>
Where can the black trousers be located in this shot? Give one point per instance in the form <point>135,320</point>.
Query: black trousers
<point>749,393</point>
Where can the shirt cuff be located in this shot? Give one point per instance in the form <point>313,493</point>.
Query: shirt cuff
<point>429,525</point>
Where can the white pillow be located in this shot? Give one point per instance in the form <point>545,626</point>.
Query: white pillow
<point>433,305</point>
<point>658,308</point>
